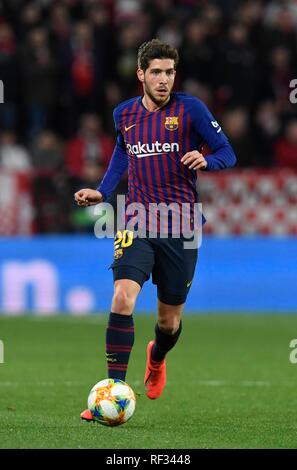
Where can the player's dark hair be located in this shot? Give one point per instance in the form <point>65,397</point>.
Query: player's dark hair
<point>155,49</point>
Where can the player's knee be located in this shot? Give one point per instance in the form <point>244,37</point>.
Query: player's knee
<point>123,301</point>
<point>169,325</point>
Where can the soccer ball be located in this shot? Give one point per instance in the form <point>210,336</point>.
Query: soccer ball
<point>111,402</point>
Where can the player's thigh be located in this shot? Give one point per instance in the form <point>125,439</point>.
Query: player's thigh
<point>133,258</point>
<point>174,270</point>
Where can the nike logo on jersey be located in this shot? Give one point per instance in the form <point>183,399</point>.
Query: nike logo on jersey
<point>129,127</point>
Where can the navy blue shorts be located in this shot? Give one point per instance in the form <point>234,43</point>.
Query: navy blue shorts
<point>171,265</point>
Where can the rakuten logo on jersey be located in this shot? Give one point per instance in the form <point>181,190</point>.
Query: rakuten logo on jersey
<point>155,148</point>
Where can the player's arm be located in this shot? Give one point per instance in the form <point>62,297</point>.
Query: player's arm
<point>209,130</point>
<point>118,163</point>
<point>116,168</point>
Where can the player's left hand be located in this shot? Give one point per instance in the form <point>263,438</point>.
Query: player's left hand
<point>194,160</point>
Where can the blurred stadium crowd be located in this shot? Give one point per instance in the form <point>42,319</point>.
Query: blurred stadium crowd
<point>66,64</point>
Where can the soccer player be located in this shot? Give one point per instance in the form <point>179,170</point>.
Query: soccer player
<point>159,138</point>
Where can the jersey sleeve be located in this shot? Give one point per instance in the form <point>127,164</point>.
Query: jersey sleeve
<point>117,166</point>
<point>210,131</point>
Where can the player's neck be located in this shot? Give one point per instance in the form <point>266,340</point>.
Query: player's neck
<point>151,106</point>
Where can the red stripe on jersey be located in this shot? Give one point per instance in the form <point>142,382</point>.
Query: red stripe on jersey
<point>134,176</point>
<point>138,161</point>
<point>159,192</point>
<point>144,163</point>
<point>146,160</point>
<point>175,164</point>
<point>157,165</point>
<point>188,128</point>
<point>185,189</point>
<point>169,163</point>
<point>159,134</point>
<point>193,175</point>
<point>167,196</point>
<point>175,169</point>
<point>132,169</point>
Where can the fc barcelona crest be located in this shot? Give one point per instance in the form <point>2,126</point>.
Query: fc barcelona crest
<point>171,123</point>
<point>118,254</point>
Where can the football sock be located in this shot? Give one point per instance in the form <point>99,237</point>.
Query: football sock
<point>119,342</point>
<point>164,342</point>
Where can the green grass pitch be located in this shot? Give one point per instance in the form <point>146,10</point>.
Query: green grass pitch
<point>230,384</point>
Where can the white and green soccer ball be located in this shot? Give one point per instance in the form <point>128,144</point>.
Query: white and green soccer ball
<point>111,402</point>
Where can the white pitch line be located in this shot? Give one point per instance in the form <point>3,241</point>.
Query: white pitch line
<point>212,383</point>
<point>40,384</point>
<point>256,383</point>
<point>243,383</point>
<point>71,319</point>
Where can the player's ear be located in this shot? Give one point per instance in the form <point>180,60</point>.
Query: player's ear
<point>140,75</point>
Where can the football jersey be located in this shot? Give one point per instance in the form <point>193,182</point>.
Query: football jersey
<point>151,144</point>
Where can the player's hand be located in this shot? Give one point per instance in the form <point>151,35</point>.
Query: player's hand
<point>194,160</point>
<point>88,197</point>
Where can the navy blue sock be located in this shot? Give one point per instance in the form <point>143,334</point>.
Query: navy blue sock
<point>119,342</point>
<point>164,342</point>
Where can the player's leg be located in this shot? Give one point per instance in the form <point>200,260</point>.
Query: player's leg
<point>132,265</point>
<point>167,329</point>
<point>173,274</point>
<point>120,328</point>
<point>134,258</point>
<point>167,332</point>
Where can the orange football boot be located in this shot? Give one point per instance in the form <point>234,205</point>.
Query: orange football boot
<point>87,415</point>
<point>155,375</point>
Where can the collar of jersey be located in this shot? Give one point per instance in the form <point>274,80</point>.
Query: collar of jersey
<point>172,95</point>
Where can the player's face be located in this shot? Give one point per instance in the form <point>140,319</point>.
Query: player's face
<point>158,80</point>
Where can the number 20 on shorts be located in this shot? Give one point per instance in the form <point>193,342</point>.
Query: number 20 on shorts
<point>123,239</point>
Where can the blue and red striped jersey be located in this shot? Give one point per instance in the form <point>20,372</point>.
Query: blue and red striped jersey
<point>151,145</point>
